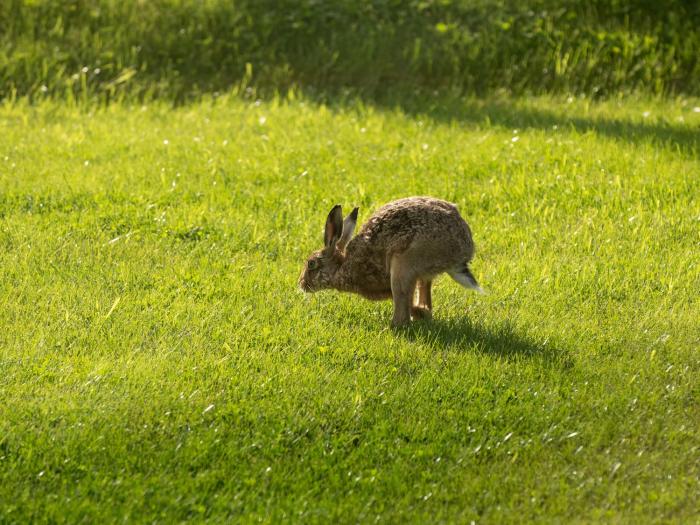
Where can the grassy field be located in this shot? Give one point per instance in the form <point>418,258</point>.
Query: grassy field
<point>158,364</point>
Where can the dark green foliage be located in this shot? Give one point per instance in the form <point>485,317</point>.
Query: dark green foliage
<point>180,49</point>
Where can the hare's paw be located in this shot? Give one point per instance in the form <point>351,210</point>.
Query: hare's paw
<point>399,321</point>
<point>419,312</point>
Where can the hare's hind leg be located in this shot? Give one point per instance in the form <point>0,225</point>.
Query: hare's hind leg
<point>423,305</point>
<point>403,285</point>
<point>425,296</point>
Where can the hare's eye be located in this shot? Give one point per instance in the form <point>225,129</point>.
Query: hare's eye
<point>312,264</point>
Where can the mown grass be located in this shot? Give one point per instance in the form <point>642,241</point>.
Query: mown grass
<point>181,49</point>
<point>158,364</point>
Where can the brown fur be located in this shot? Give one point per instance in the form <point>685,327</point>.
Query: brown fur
<point>396,254</point>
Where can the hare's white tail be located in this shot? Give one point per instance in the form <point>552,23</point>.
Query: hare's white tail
<point>464,277</point>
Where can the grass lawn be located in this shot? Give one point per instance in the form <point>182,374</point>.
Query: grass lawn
<point>157,362</point>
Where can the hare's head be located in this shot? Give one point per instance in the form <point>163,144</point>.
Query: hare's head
<point>322,265</point>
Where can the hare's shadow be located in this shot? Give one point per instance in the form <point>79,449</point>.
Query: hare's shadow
<point>501,340</point>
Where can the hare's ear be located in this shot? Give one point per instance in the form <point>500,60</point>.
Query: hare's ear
<point>348,229</point>
<point>334,226</point>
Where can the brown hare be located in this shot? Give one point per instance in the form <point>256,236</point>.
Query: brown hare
<point>396,254</point>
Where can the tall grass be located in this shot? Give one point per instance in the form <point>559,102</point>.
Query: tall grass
<point>179,49</point>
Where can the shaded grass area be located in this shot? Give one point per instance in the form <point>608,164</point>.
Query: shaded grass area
<point>180,49</point>
<point>650,122</point>
<point>157,362</point>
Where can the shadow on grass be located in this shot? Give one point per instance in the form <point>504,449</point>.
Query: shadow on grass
<point>510,115</point>
<point>463,335</point>
<point>514,114</point>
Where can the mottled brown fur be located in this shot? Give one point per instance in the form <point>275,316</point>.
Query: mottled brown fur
<point>396,254</point>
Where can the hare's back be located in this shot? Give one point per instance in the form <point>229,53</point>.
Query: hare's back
<point>396,224</point>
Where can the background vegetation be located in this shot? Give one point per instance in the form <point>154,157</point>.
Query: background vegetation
<point>181,48</point>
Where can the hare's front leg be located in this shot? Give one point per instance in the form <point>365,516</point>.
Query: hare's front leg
<point>403,284</point>
<point>423,305</point>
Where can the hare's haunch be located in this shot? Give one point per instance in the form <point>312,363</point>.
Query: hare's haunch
<point>396,254</point>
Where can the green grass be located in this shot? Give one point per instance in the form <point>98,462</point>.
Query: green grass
<point>158,364</point>
<point>181,49</point>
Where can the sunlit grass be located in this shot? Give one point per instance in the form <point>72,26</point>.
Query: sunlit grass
<point>157,362</point>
